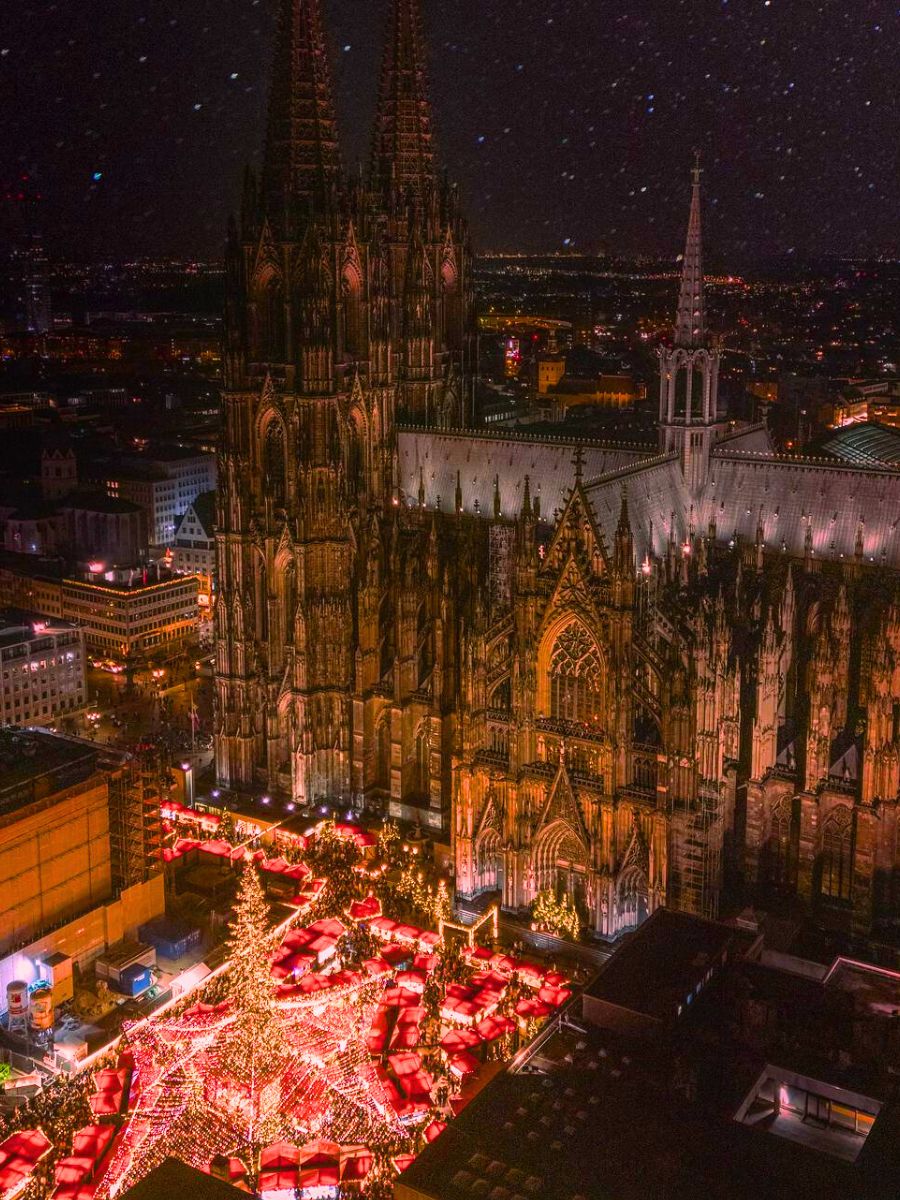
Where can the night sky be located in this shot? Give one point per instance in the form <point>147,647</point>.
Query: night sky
<point>566,122</point>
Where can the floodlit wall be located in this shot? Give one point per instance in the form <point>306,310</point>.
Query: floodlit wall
<point>54,861</point>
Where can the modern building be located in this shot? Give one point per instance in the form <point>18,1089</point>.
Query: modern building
<point>194,549</point>
<point>35,587</point>
<point>129,615</point>
<point>192,472</point>
<point>42,669</point>
<point>164,484</point>
<point>132,621</point>
<point>706,1067</point>
<point>153,491</point>
<point>79,835</point>
<point>602,391</point>
<point>620,670</point>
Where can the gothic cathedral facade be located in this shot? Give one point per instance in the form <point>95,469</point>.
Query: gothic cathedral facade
<point>639,675</point>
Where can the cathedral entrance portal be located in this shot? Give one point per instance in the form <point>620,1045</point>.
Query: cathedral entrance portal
<point>561,864</point>
<point>489,862</point>
<point>634,901</point>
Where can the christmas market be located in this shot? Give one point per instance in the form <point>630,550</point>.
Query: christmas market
<point>332,1044</point>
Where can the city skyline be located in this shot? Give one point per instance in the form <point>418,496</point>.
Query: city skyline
<point>450,736</point>
<point>130,121</point>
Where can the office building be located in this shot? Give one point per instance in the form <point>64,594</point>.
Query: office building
<point>42,669</point>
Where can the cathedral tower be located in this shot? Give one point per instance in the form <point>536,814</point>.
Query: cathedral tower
<point>689,370</point>
<point>349,303</point>
<point>402,151</point>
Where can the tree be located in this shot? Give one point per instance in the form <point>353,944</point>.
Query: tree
<point>254,1041</point>
<point>226,826</point>
<point>389,842</point>
<point>555,916</point>
<point>441,906</point>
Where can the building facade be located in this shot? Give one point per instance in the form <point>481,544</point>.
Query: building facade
<point>42,669</point>
<point>194,549</point>
<point>122,616</point>
<point>80,835</point>
<point>155,492</point>
<point>134,621</point>
<point>164,485</point>
<point>630,673</point>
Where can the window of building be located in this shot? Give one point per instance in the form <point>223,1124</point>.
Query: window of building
<point>836,861</point>
<point>781,847</point>
<point>576,677</point>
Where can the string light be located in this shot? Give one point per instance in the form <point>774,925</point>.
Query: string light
<point>253,1064</point>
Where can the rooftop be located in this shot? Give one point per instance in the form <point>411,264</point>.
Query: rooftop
<point>204,507</point>
<point>762,1088</point>
<point>17,625</point>
<point>34,764</point>
<point>173,1179</point>
<point>98,502</point>
<point>662,967</point>
<point>866,445</point>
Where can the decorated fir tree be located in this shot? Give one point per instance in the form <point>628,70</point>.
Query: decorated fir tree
<point>558,916</point>
<point>253,1051</point>
<point>441,907</point>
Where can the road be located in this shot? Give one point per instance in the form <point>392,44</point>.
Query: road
<point>149,708</point>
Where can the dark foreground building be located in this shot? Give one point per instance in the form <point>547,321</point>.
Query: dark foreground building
<point>630,673</point>
<point>690,1068</point>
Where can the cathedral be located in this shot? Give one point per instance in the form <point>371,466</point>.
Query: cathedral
<point>635,675</point>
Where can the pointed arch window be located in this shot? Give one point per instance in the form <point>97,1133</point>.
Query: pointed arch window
<point>351,310</point>
<point>836,863</point>
<point>422,764</point>
<point>501,697</point>
<point>275,463</point>
<point>450,308</point>
<point>781,847</point>
<point>425,644</point>
<point>633,898</point>
<point>576,677</point>
<point>382,772</point>
<point>269,324</point>
<point>386,649</point>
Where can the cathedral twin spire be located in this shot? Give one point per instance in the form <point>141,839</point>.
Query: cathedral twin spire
<point>302,155</point>
<point>402,149</point>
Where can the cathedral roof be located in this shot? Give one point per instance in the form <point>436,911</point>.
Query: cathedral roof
<point>431,459</point>
<point>658,504</point>
<point>747,437</point>
<point>793,500</point>
<point>747,488</point>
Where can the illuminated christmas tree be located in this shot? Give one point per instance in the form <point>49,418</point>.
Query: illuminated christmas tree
<point>440,906</point>
<point>557,916</point>
<point>254,1053</point>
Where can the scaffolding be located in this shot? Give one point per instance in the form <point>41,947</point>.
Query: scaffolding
<point>699,841</point>
<point>136,788</point>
